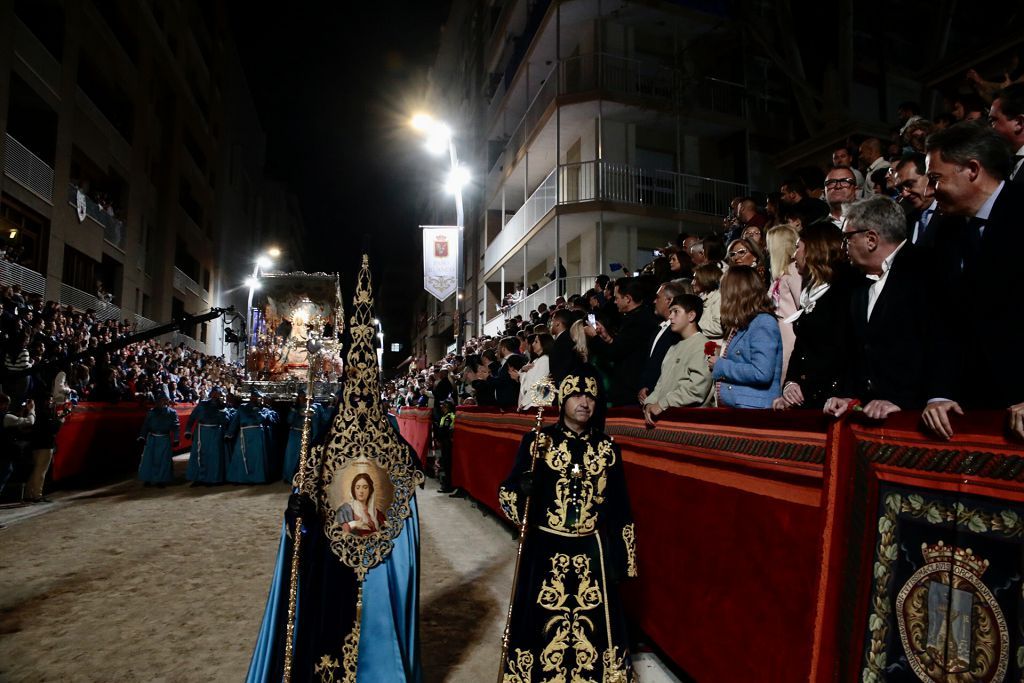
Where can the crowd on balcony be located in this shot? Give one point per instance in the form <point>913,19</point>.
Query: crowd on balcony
<point>103,200</point>
<point>883,282</point>
<point>13,253</point>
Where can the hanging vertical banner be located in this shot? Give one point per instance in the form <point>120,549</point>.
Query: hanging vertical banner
<point>440,260</point>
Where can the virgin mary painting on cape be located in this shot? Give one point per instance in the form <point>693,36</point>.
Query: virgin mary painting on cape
<point>361,516</point>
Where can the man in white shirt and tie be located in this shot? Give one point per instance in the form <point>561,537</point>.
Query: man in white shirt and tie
<point>664,338</point>
<point>915,192</point>
<point>895,314</point>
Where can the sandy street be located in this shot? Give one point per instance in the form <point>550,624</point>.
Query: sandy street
<point>127,583</point>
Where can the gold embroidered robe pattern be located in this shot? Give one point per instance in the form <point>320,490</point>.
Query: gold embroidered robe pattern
<point>567,625</point>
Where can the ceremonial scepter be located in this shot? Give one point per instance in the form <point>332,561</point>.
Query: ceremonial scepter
<point>313,347</point>
<point>542,395</point>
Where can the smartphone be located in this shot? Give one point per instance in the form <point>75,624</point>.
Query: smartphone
<point>592,320</point>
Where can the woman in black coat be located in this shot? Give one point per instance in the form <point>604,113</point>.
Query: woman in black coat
<point>820,354</point>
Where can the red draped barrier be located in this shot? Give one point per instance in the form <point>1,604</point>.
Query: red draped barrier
<point>97,438</point>
<point>760,534</point>
<point>414,424</point>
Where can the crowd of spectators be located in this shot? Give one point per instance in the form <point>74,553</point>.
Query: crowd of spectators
<point>54,356</point>
<point>883,282</point>
<point>49,349</point>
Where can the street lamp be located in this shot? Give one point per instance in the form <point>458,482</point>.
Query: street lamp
<point>262,262</point>
<point>439,136</point>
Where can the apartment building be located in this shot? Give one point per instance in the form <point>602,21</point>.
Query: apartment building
<point>132,158</point>
<point>598,130</point>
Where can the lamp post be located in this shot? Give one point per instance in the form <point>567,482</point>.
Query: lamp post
<point>262,262</point>
<point>439,137</point>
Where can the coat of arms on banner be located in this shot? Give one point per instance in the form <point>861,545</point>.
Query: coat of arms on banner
<point>947,602</point>
<point>441,246</point>
<point>80,205</point>
<point>949,621</point>
<point>440,261</point>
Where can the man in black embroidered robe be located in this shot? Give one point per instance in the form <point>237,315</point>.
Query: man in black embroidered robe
<point>566,620</point>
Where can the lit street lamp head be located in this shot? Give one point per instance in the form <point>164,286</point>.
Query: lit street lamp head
<point>264,262</point>
<point>458,178</point>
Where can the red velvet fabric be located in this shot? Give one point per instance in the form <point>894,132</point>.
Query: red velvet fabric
<point>414,423</point>
<point>101,437</point>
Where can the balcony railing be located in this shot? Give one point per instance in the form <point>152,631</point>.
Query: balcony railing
<point>29,280</point>
<point>590,181</point>
<point>113,229</point>
<point>598,71</point>
<point>536,207</point>
<point>721,97</point>
<point>35,56</point>
<point>118,144</point>
<point>21,165</point>
<point>70,296</point>
<point>183,283</point>
<point>545,295</point>
<point>678,192</point>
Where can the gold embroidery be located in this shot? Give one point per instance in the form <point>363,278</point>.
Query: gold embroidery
<point>362,436</point>
<point>350,649</point>
<point>571,385</point>
<point>629,538</point>
<point>507,500</point>
<point>326,668</point>
<point>521,670</point>
<point>573,490</point>
<point>571,626</point>
<point>614,666</point>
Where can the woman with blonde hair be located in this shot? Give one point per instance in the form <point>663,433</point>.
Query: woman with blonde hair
<point>749,372</point>
<point>822,325</point>
<point>783,245</point>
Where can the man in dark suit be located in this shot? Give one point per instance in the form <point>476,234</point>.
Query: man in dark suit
<point>490,357</point>
<point>628,350</point>
<point>927,227</point>
<point>968,166</point>
<point>563,358</point>
<point>1006,116</point>
<point>664,338</point>
<point>894,314</point>
<point>506,389</point>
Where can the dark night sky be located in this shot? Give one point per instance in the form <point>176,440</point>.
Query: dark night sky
<point>333,84</point>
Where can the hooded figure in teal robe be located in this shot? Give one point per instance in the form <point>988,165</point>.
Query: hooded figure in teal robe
<point>327,589</point>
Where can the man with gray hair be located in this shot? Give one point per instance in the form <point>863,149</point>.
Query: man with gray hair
<point>894,314</point>
<point>664,338</point>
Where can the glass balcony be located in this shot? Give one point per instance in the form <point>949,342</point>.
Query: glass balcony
<point>113,229</point>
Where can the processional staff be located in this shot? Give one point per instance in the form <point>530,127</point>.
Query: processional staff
<point>313,349</point>
<point>543,395</point>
